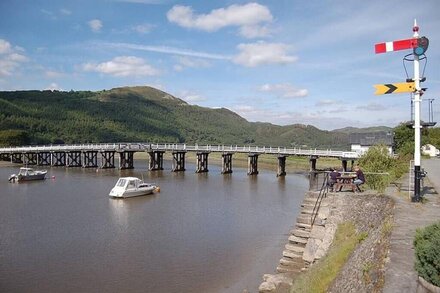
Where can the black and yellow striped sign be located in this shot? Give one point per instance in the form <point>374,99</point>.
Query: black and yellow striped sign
<point>394,88</point>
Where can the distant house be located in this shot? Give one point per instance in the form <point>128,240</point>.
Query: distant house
<point>430,150</point>
<point>361,142</point>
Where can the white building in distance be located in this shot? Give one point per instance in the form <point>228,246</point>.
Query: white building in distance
<point>430,150</point>
<point>361,142</point>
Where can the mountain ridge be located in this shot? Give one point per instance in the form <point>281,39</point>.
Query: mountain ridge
<point>142,113</point>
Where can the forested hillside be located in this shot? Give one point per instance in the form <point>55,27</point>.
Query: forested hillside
<point>140,114</point>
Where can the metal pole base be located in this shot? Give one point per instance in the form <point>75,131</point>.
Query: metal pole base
<point>416,197</point>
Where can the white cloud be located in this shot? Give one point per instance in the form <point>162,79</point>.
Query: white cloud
<point>123,66</point>
<point>5,47</point>
<point>47,12</point>
<point>65,11</point>
<point>53,87</point>
<point>284,90</point>
<point>191,97</point>
<point>325,103</point>
<point>187,62</point>
<point>318,119</point>
<point>261,53</point>
<point>254,31</point>
<point>95,25</point>
<point>250,55</point>
<point>249,15</point>
<point>10,58</point>
<point>143,28</point>
<point>166,50</point>
<point>372,107</point>
<point>53,74</point>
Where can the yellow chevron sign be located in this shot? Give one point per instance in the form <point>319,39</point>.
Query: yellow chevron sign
<point>394,88</point>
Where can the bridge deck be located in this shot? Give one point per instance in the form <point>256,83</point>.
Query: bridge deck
<point>140,147</point>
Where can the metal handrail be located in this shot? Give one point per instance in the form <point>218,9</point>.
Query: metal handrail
<point>322,194</point>
<point>184,147</point>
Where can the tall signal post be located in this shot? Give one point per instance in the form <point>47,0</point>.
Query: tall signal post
<point>419,46</point>
<point>417,127</point>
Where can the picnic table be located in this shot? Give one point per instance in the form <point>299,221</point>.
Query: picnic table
<point>345,182</point>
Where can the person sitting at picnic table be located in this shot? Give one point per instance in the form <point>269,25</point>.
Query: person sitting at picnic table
<point>334,174</point>
<point>360,178</point>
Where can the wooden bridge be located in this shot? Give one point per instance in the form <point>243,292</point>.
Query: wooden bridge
<point>103,155</point>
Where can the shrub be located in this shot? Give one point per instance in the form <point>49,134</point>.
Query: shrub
<point>377,160</point>
<point>427,249</point>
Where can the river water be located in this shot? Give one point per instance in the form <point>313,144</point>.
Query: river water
<point>202,233</point>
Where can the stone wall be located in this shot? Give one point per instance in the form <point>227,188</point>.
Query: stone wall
<point>307,244</point>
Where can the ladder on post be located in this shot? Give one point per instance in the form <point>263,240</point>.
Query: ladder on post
<point>411,179</point>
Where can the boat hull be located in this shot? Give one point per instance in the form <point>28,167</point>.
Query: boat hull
<point>133,192</point>
<point>38,175</point>
<point>32,177</point>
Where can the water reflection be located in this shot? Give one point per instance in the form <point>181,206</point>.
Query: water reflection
<point>204,230</point>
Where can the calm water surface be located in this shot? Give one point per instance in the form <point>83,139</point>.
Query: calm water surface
<point>202,233</point>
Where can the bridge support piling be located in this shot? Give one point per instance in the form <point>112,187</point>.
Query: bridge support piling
<point>227,163</point>
<point>107,159</point>
<point>252,164</point>
<point>126,160</point>
<point>44,159</point>
<point>17,158</point>
<point>344,165</point>
<point>30,158</point>
<point>281,166</point>
<point>202,162</point>
<point>178,161</point>
<point>313,160</point>
<point>90,159</point>
<point>314,180</point>
<point>156,160</point>
<point>58,159</point>
<point>73,159</point>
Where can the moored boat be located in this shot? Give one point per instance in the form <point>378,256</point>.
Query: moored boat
<point>132,186</point>
<point>28,174</point>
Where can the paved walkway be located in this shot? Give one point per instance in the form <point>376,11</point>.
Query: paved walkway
<point>400,275</point>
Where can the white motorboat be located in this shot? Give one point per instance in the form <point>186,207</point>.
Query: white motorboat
<point>132,186</point>
<point>28,174</point>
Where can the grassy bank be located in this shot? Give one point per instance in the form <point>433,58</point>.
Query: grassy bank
<point>321,274</point>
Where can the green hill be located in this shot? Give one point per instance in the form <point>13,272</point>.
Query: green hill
<point>140,114</point>
<point>349,130</point>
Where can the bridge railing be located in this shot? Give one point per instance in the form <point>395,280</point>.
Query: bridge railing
<point>183,147</point>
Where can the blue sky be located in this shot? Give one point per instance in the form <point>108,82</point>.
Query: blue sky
<point>283,61</point>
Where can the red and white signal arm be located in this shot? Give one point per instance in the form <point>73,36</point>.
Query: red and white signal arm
<point>395,46</point>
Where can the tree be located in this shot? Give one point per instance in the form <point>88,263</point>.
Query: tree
<point>14,137</point>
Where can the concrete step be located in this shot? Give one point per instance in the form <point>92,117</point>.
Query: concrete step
<point>296,239</point>
<point>300,233</point>
<point>292,254</point>
<point>294,248</point>
<point>307,211</point>
<point>308,200</point>
<point>302,226</point>
<point>305,219</point>
<point>308,205</point>
<point>312,194</point>
<point>283,269</point>
<point>292,263</point>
